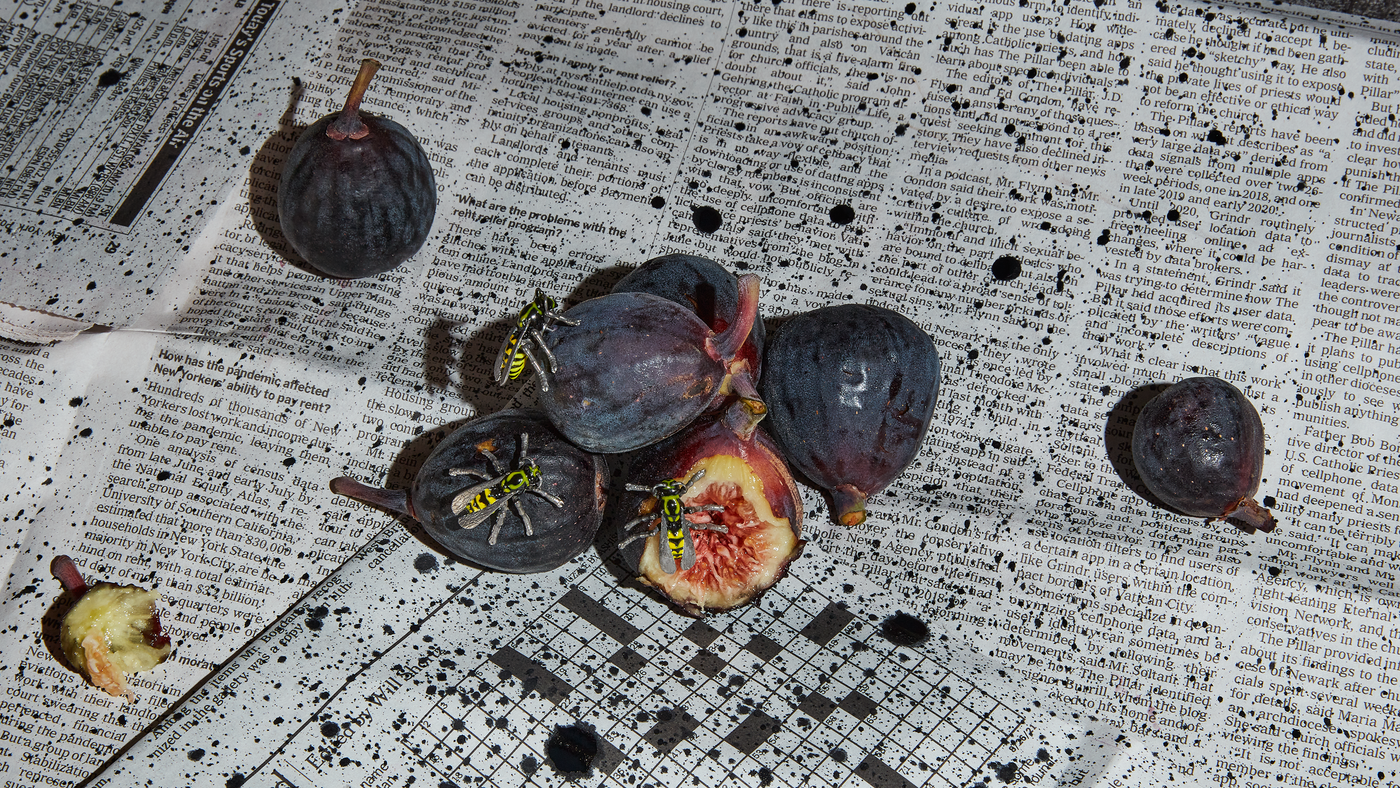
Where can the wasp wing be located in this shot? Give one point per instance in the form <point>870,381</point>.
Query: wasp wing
<point>688,552</point>
<point>465,505</point>
<point>507,355</point>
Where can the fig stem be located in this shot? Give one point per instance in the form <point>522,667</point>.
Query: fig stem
<point>1249,517</point>
<point>725,345</point>
<point>748,408</point>
<point>347,124</point>
<point>850,504</point>
<point>394,500</point>
<point>69,575</point>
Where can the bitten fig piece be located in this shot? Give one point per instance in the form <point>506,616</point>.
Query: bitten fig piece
<point>505,491</point>
<point>1199,447</point>
<point>111,630</point>
<point>357,196</point>
<point>850,391</point>
<point>714,515</point>
<point>630,369</point>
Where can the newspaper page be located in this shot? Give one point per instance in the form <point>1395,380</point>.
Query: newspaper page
<point>1081,202</point>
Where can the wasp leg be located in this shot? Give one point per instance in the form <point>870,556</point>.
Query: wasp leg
<point>642,534</point>
<point>467,472</point>
<point>717,527</point>
<point>520,510</point>
<point>535,364</point>
<point>495,463</point>
<point>552,498</point>
<point>496,524</point>
<point>524,446</point>
<point>638,488</point>
<point>536,335</point>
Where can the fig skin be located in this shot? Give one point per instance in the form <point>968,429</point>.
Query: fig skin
<point>731,569</point>
<point>851,391</point>
<point>1199,447</point>
<point>357,195</point>
<point>635,368</point>
<point>707,288</point>
<point>568,473</point>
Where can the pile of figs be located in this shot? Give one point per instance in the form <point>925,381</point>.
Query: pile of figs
<point>666,370</point>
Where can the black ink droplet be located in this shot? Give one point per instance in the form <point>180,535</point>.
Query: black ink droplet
<point>162,476</point>
<point>1216,137</point>
<point>903,629</point>
<point>425,562</point>
<point>1005,772</point>
<point>843,214</point>
<point>75,402</point>
<point>330,730</point>
<point>658,202</point>
<point>1006,268</point>
<point>706,218</point>
<point>572,749</point>
<point>109,78</point>
<point>195,754</point>
<point>1174,215</point>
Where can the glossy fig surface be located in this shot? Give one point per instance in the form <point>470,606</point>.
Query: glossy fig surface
<point>742,515</point>
<point>706,287</point>
<point>850,391</point>
<point>629,369</point>
<point>357,195</point>
<point>505,491</point>
<point>1199,447</point>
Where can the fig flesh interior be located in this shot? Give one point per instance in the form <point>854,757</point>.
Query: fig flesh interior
<point>114,630</point>
<point>730,568</point>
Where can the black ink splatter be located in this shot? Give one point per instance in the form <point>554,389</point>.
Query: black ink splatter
<point>843,214</point>
<point>572,749</point>
<point>903,629</point>
<point>330,730</point>
<point>75,402</point>
<point>195,754</point>
<point>110,77</point>
<point>162,476</point>
<point>1174,215</point>
<point>658,202</point>
<point>707,219</point>
<point>425,562</point>
<point>1006,268</point>
<point>315,619</point>
<point>1216,137</point>
<point>1103,239</point>
<point>1005,772</point>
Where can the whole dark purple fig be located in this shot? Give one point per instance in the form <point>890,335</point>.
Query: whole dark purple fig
<point>505,491</point>
<point>1199,447</point>
<point>850,391</point>
<point>357,195</point>
<point>704,286</point>
<point>634,368</point>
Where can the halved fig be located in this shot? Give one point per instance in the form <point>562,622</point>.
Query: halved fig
<point>111,630</point>
<point>736,526</point>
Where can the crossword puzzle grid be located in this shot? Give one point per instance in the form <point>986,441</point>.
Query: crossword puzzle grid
<point>787,692</point>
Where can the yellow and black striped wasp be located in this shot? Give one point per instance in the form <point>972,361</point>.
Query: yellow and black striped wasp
<point>478,503</point>
<point>677,548</point>
<point>535,319</point>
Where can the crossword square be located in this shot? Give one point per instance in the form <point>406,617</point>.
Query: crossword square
<point>763,648</point>
<point>671,727</point>
<point>628,660</point>
<point>700,633</point>
<point>1004,719</point>
<point>828,624</point>
<point>817,706</point>
<point>877,774</point>
<point>752,732</point>
<point>857,705</point>
<point>707,664</point>
<point>533,676</point>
